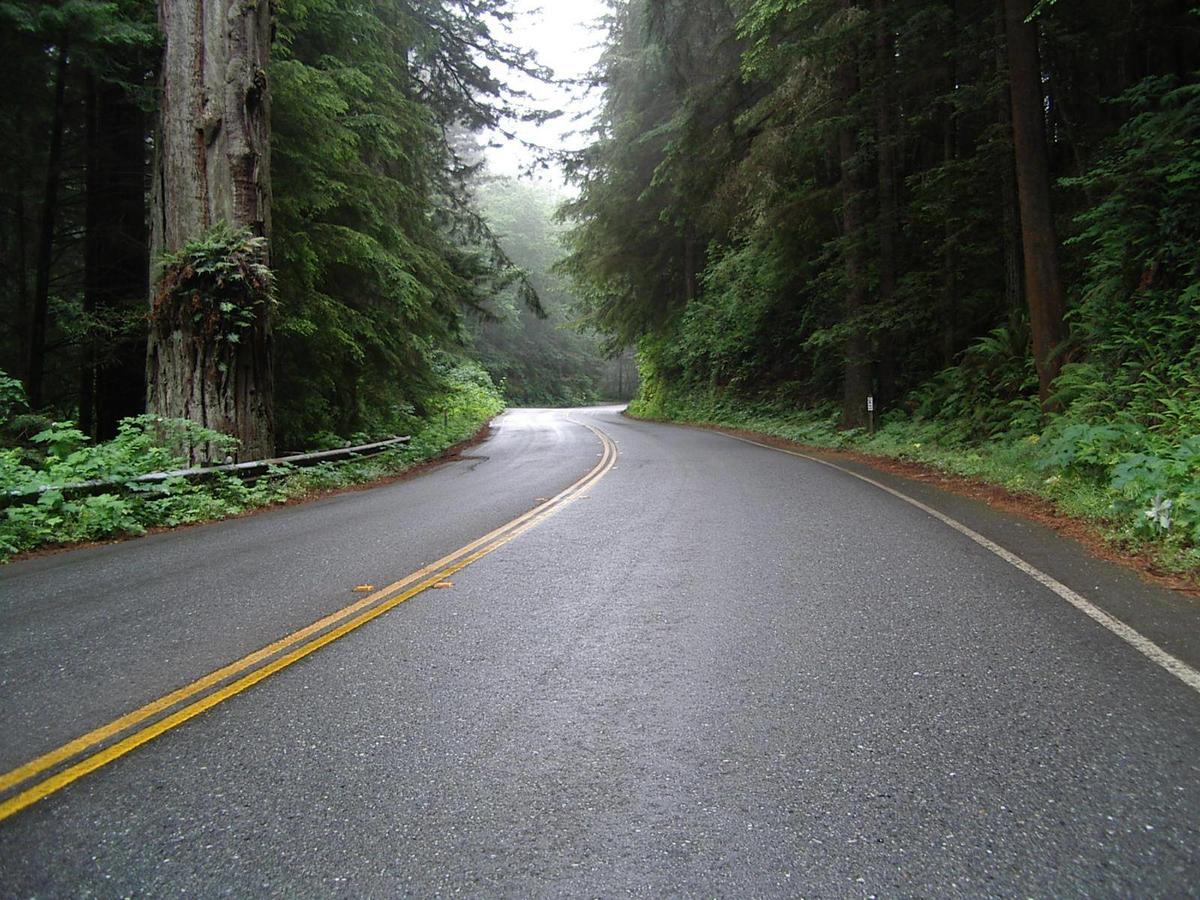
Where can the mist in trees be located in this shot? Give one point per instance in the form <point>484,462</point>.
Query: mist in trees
<point>541,358</point>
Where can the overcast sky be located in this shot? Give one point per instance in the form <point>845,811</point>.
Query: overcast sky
<point>563,34</point>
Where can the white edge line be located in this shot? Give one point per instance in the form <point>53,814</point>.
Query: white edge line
<point>1137,640</point>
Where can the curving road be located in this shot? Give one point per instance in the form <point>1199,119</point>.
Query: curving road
<point>709,668</point>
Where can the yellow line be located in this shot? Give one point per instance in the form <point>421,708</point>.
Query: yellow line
<point>507,532</point>
<point>78,745</point>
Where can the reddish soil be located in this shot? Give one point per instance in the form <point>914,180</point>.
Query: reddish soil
<point>449,455</point>
<point>1028,506</point>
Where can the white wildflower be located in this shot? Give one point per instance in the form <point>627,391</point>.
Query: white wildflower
<point>1160,512</point>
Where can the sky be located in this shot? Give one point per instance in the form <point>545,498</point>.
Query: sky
<point>563,35</point>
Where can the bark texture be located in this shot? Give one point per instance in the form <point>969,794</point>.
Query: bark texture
<point>1039,239</point>
<point>36,348</point>
<point>856,381</point>
<point>1014,263</point>
<point>888,218</point>
<point>212,159</point>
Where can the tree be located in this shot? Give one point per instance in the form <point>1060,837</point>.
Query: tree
<point>212,168</point>
<point>540,360</point>
<point>379,250</point>
<point>72,219</point>
<point>856,379</point>
<point>112,367</point>
<point>1039,238</point>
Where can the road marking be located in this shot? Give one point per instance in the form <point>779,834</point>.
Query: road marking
<point>1131,636</point>
<point>310,638</point>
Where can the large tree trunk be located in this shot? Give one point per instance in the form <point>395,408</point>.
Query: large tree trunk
<point>856,379</point>
<point>1014,263</point>
<point>690,266</point>
<point>949,314</point>
<point>1039,241</point>
<point>888,221</point>
<point>35,358</point>
<point>113,374</point>
<point>211,166</point>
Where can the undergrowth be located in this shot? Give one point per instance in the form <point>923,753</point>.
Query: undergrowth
<point>1139,485</point>
<point>59,454</point>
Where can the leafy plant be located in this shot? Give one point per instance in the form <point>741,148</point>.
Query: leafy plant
<point>1088,449</point>
<point>216,285</point>
<point>63,456</point>
<point>1160,493</point>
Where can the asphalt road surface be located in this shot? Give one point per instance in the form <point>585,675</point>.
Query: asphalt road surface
<point>706,669</point>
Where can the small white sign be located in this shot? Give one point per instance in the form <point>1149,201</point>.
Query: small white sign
<point>870,404</point>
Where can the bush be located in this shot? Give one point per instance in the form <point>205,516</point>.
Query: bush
<point>61,455</point>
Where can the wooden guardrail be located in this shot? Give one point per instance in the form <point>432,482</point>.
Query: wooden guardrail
<point>245,470</point>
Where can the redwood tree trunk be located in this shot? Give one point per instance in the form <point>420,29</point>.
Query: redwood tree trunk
<point>888,221</point>
<point>1014,264</point>
<point>35,358</point>
<point>1039,241</point>
<point>856,381</point>
<point>211,165</point>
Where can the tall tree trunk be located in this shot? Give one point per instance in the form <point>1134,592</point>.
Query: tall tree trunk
<point>1039,240</point>
<point>211,166</point>
<point>115,258</point>
<point>1014,262</point>
<point>949,306</point>
<point>856,380</point>
<point>885,130</point>
<point>690,277</point>
<point>22,261</point>
<point>35,360</point>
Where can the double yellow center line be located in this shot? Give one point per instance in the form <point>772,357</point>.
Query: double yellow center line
<point>102,745</point>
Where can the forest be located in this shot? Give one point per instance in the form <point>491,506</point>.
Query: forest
<point>230,230</point>
<point>980,218</point>
<point>964,232</point>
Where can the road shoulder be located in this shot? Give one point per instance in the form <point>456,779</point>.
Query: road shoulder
<point>1163,608</point>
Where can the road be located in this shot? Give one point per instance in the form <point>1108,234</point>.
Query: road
<point>707,669</point>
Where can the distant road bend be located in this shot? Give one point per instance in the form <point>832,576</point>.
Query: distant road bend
<point>600,657</point>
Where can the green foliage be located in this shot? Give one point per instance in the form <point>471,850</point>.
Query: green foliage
<point>855,206</point>
<point>378,249</point>
<point>1161,493</point>
<point>991,392</point>
<point>1090,450</point>
<point>12,397</point>
<point>216,285</point>
<point>540,360</point>
<point>111,45</point>
<point>62,455</point>
<point>1139,314</point>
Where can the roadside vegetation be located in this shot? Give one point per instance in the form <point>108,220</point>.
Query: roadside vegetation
<point>49,455</point>
<point>366,280</point>
<point>540,357</point>
<point>1138,489</point>
<point>983,216</point>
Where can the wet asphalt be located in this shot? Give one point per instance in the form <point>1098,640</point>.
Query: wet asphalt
<point>726,672</point>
